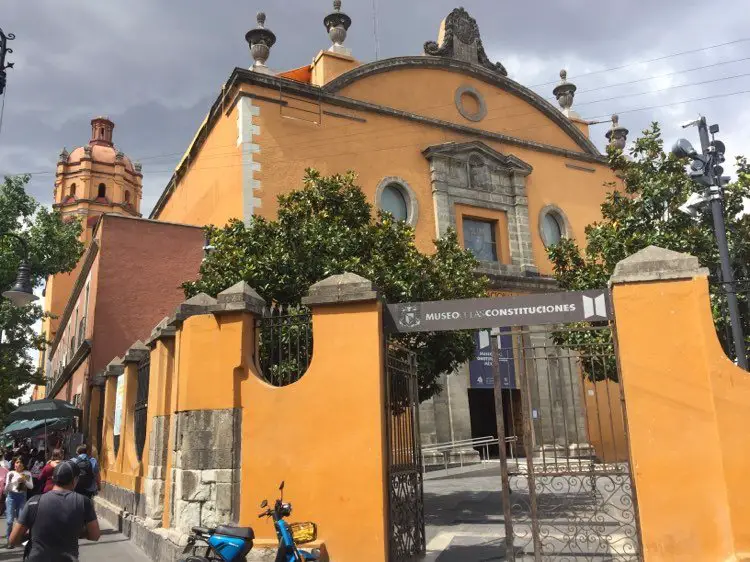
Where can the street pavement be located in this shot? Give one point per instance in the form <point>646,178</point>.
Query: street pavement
<point>112,547</point>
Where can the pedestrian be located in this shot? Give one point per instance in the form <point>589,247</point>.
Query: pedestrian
<point>7,459</point>
<point>37,465</point>
<point>56,520</point>
<point>89,480</point>
<point>45,479</point>
<point>17,482</point>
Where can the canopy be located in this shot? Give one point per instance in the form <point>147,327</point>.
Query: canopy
<point>26,428</point>
<point>45,409</point>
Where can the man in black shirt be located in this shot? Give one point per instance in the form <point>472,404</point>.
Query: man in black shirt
<point>57,519</point>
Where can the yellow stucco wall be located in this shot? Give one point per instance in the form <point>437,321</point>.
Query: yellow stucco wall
<point>289,142</point>
<point>211,191</point>
<point>688,411</point>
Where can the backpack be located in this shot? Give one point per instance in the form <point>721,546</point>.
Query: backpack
<point>85,476</point>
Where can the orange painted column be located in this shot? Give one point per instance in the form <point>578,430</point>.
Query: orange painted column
<point>325,435</point>
<point>688,410</point>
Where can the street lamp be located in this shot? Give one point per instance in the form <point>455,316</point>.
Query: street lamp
<point>705,169</point>
<point>22,291</point>
<point>4,50</point>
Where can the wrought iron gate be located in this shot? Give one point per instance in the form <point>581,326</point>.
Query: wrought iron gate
<point>571,497</point>
<point>406,507</point>
<point>141,405</point>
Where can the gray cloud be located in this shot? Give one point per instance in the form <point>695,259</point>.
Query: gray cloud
<point>155,67</point>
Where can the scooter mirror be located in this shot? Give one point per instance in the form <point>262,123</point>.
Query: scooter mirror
<point>281,486</point>
<point>264,503</point>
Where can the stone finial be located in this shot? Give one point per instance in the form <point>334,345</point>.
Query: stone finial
<point>340,289</point>
<point>565,92</point>
<point>161,331</point>
<point>136,353</point>
<point>337,23</point>
<point>459,39</point>
<point>114,368</point>
<point>654,263</point>
<point>87,151</point>
<point>199,304</point>
<point>617,134</point>
<point>119,155</point>
<point>64,154</point>
<point>240,297</point>
<point>260,41</point>
<point>138,167</point>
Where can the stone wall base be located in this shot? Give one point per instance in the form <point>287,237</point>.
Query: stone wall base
<point>164,545</point>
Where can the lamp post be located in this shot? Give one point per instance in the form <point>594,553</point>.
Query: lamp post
<point>22,291</point>
<point>706,171</point>
<point>4,50</point>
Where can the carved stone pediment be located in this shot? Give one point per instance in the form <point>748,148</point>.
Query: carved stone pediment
<point>459,39</point>
<point>475,165</point>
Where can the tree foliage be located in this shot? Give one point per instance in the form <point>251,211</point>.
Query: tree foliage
<point>644,211</point>
<point>54,248</point>
<point>328,227</point>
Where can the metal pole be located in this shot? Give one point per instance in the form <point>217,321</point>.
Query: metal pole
<point>727,275</point>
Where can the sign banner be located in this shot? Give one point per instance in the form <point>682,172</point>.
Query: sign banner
<point>480,369</point>
<point>522,310</point>
<point>119,395</point>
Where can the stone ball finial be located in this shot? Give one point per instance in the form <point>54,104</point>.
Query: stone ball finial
<point>617,134</point>
<point>260,41</point>
<point>337,23</point>
<point>64,154</point>
<point>565,92</point>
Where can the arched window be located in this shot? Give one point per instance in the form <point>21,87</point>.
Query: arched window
<point>102,190</point>
<point>127,197</point>
<point>72,190</point>
<point>553,225</point>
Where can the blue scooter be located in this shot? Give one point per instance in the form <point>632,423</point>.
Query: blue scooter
<point>222,544</point>
<point>232,544</point>
<point>290,535</point>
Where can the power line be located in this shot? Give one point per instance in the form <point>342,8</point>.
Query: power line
<point>664,57</point>
<point>705,66</point>
<point>734,76</point>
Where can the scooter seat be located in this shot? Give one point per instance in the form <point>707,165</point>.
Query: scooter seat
<point>239,532</point>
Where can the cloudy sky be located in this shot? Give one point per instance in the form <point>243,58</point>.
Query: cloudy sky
<point>155,66</point>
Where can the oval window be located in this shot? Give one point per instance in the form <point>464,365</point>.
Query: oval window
<point>552,229</point>
<point>393,201</point>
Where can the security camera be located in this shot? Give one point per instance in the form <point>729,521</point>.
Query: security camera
<point>692,205</point>
<point>682,149</point>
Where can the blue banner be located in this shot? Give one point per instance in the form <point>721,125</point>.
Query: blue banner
<point>480,369</point>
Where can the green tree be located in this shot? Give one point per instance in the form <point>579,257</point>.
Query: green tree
<point>327,227</point>
<point>54,248</point>
<point>646,212</point>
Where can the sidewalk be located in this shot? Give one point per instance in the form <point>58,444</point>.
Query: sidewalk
<point>112,547</point>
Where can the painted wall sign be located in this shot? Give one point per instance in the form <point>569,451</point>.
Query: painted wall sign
<point>523,310</point>
<point>119,395</point>
<point>480,369</point>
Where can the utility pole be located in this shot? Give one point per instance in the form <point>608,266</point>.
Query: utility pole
<point>707,171</point>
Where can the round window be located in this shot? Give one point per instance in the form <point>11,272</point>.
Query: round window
<point>552,229</point>
<point>393,201</point>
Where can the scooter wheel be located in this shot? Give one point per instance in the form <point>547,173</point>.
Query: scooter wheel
<point>194,559</point>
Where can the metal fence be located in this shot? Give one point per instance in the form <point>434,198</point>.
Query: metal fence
<point>285,344</point>
<point>406,502</point>
<point>572,496</point>
<point>140,411</point>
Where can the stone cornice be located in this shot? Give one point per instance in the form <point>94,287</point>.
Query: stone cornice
<point>80,355</point>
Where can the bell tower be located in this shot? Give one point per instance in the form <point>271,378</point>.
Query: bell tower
<point>91,180</point>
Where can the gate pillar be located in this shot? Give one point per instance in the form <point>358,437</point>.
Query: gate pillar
<point>688,410</point>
